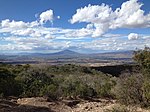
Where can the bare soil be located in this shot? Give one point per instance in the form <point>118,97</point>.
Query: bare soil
<point>40,104</point>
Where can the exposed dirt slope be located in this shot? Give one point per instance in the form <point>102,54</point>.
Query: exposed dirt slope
<point>43,105</point>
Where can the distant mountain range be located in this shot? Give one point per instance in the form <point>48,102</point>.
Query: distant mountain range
<point>67,56</point>
<point>66,53</point>
<point>121,54</point>
<point>71,53</point>
<point>62,54</point>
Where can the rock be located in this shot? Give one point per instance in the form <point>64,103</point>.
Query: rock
<point>71,103</point>
<point>86,107</point>
<point>35,101</point>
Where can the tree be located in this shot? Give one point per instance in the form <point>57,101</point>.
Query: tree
<point>142,57</point>
<point>8,84</point>
<point>135,88</point>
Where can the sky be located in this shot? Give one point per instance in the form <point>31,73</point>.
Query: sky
<point>85,26</point>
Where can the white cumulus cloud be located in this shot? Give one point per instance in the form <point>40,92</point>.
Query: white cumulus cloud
<point>58,17</point>
<point>13,24</point>
<point>133,36</point>
<point>8,24</point>
<point>46,16</point>
<point>103,18</point>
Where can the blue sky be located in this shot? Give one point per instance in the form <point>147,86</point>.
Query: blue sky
<point>82,25</point>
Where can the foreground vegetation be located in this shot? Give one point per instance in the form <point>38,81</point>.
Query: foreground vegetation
<point>54,81</point>
<point>75,81</point>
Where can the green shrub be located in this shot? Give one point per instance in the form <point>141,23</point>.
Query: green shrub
<point>105,90</point>
<point>8,84</point>
<point>1,95</point>
<point>129,89</point>
<point>146,92</point>
<point>83,91</point>
<point>74,87</point>
<point>142,57</point>
<point>50,91</point>
<point>32,80</point>
<point>134,89</point>
<point>54,81</point>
